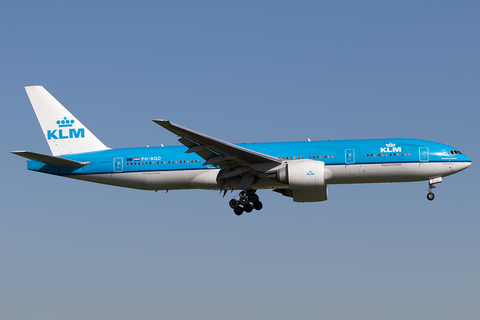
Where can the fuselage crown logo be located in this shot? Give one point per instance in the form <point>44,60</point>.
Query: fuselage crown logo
<point>71,133</point>
<point>391,148</point>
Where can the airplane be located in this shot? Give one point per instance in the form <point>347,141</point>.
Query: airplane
<point>299,170</point>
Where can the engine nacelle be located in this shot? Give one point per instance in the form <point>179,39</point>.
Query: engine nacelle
<point>302,174</point>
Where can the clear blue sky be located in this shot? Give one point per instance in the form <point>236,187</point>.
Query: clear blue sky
<point>241,71</point>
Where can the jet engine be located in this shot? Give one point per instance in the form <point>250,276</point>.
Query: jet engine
<point>305,180</point>
<point>302,174</point>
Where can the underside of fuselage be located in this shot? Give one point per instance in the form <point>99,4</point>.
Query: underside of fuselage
<point>207,178</point>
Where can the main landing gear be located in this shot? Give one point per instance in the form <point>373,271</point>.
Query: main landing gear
<point>432,185</point>
<point>248,201</point>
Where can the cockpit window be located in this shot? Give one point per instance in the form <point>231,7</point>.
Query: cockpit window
<point>455,152</point>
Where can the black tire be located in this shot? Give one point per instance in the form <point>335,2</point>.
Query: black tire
<point>430,196</point>
<point>233,203</point>
<point>248,208</point>
<point>238,211</point>
<point>258,205</point>
<point>253,198</point>
<point>244,200</point>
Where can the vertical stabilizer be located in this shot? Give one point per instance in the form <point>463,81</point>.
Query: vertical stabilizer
<point>64,133</point>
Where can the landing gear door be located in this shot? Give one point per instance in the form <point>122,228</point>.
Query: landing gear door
<point>117,164</point>
<point>423,151</point>
<point>349,156</point>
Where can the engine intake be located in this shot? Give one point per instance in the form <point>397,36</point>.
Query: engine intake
<point>302,174</point>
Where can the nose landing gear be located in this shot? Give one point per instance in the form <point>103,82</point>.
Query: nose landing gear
<point>432,185</point>
<point>247,202</point>
<point>430,195</point>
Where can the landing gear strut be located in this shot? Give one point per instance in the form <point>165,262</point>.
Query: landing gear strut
<point>432,185</point>
<point>248,201</point>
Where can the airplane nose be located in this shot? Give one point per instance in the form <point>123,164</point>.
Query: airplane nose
<point>464,165</point>
<point>469,162</point>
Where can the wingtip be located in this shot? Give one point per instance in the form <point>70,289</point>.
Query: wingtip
<point>19,151</point>
<point>160,121</point>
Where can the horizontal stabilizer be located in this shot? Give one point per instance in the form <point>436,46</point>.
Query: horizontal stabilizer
<point>51,160</point>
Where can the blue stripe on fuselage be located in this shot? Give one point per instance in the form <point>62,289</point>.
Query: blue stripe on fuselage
<point>333,152</point>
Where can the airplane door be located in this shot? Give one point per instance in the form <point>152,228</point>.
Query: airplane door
<point>117,164</point>
<point>349,156</point>
<point>423,154</point>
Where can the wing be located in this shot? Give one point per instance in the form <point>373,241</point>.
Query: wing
<point>233,159</point>
<point>215,151</point>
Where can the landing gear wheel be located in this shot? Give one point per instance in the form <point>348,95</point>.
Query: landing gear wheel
<point>238,211</point>
<point>430,196</point>
<point>244,200</point>
<point>248,208</point>
<point>253,198</point>
<point>246,203</point>
<point>233,203</point>
<point>258,205</point>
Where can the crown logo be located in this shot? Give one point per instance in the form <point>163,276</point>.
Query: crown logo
<point>65,122</point>
<point>390,145</point>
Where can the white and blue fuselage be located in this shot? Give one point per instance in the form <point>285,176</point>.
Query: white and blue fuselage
<point>347,161</point>
<point>301,170</point>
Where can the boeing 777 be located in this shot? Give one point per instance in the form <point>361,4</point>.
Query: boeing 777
<point>300,170</point>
